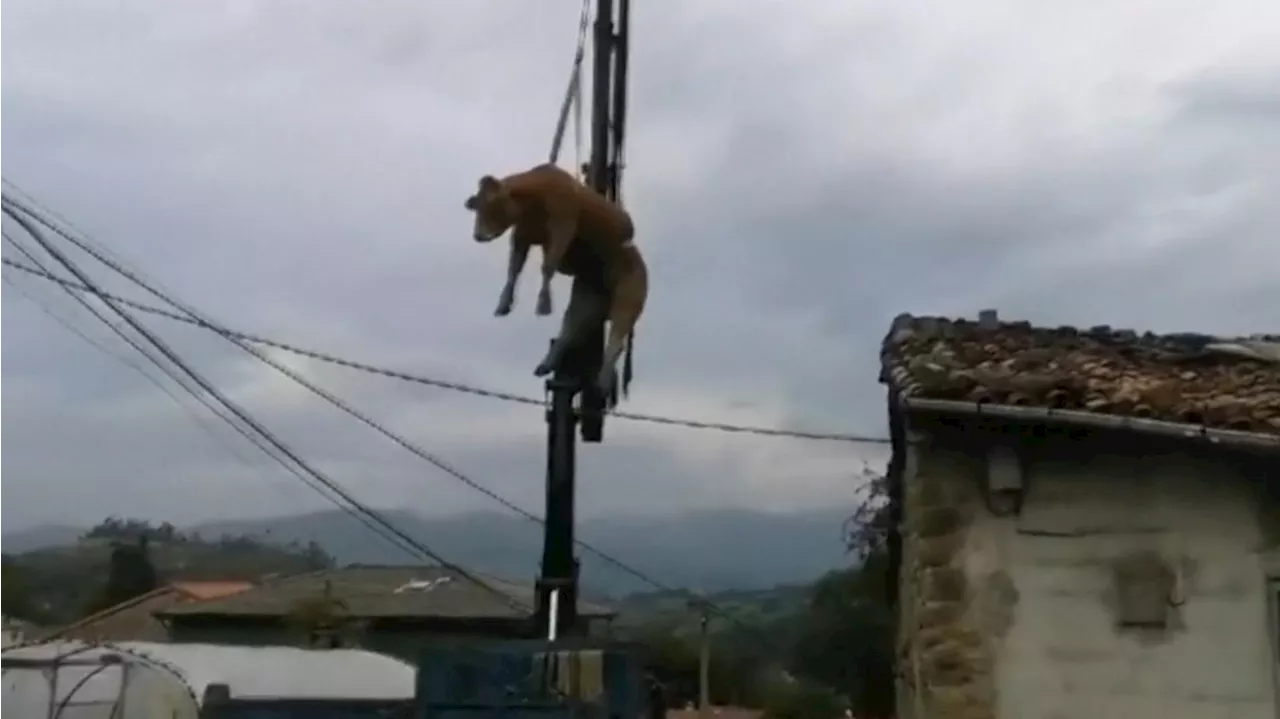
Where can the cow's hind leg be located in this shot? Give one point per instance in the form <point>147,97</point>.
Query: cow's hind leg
<point>628,304</point>
<point>587,306</point>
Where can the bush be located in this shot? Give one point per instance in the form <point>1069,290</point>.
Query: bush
<point>798,699</point>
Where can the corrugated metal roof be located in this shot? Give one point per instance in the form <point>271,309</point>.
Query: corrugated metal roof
<point>249,672</point>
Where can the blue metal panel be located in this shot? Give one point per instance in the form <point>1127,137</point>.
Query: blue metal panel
<point>510,679</point>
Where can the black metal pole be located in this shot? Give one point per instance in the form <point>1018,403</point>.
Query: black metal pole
<point>621,55</point>
<point>559,568</point>
<point>600,176</point>
<point>577,371</point>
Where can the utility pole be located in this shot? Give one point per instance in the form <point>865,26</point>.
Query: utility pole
<point>704,657</point>
<point>581,364</point>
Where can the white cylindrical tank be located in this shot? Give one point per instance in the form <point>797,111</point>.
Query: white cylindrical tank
<point>148,680</point>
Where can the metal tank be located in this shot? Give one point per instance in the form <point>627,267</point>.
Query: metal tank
<point>149,680</point>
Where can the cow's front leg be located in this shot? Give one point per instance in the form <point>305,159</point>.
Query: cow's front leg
<point>515,265</point>
<point>560,232</point>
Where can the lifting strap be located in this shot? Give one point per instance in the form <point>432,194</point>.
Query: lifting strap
<point>573,98</point>
<point>573,101</point>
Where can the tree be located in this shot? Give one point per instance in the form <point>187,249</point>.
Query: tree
<point>846,637</point>
<point>19,597</point>
<point>316,558</point>
<point>131,574</point>
<point>800,699</point>
<point>324,621</point>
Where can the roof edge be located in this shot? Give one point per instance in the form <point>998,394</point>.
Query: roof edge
<point>1179,430</point>
<point>176,612</point>
<point>111,611</point>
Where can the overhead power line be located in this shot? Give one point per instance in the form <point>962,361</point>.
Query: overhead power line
<point>16,211</point>
<point>140,367</point>
<point>373,424</point>
<point>238,338</point>
<point>367,368</point>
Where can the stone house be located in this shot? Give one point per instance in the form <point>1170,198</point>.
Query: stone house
<point>1087,522</point>
<point>394,610</point>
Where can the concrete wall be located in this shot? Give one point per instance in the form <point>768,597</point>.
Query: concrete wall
<point>403,643</point>
<point>17,631</point>
<point>1017,617</point>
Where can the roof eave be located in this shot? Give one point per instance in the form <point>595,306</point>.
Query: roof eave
<point>181,613</point>
<point>1020,413</point>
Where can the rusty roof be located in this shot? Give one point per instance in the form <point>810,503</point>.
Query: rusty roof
<point>1186,378</point>
<point>379,592</point>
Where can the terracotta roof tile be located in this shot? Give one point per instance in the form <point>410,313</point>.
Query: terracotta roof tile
<point>201,591</point>
<point>1190,378</point>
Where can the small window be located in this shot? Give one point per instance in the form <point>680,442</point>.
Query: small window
<point>1144,586</point>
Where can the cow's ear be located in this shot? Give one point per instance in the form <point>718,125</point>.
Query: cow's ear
<point>471,203</point>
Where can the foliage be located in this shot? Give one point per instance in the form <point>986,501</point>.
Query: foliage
<point>130,574</point>
<point>324,621</point>
<point>792,699</point>
<point>127,529</point>
<point>737,666</point>
<point>846,637</point>
<point>19,599</point>
<point>795,651</point>
<point>867,529</point>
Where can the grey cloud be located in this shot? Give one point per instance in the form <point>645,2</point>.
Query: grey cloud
<point>799,176</point>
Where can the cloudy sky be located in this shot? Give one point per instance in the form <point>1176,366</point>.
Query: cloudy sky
<point>799,174</point>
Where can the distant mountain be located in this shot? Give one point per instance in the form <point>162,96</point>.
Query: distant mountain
<point>710,551</point>
<point>43,536</point>
<point>746,606</point>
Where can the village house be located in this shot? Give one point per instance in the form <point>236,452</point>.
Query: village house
<point>395,610</point>
<point>1088,521</point>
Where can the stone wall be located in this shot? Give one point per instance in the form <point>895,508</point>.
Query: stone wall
<point>945,658</point>
<point>1012,611</point>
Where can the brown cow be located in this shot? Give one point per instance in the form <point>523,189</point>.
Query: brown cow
<point>549,207</point>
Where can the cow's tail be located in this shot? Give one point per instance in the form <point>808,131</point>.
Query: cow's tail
<point>626,364</point>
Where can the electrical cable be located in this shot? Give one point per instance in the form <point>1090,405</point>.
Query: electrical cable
<point>208,404</point>
<point>204,400</point>
<point>195,319</point>
<point>458,475</point>
<point>365,516</point>
<point>440,464</point>
<point>367,368</point>
<point>572,98</point>
<point>165,350</point>
<point>137,367</point>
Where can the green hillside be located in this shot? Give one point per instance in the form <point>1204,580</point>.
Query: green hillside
<point>57,585</point>
<point>711,550</point>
